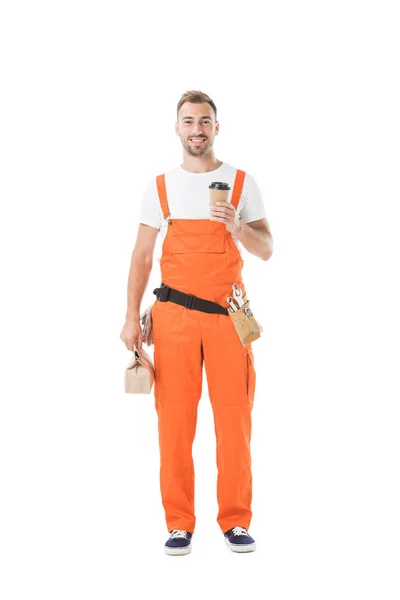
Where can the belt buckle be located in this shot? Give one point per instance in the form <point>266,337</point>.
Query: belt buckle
<point>190,301</point>
<point>163,293</point>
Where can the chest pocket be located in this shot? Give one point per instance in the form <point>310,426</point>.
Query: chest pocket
<point>186,243</point>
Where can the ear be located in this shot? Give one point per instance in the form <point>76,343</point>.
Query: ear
<point>177,128</point>
<point>216,127</point>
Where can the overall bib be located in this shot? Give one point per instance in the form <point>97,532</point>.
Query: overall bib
<point>199,257</point>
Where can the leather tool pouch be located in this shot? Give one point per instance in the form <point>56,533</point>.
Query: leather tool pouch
<point>246,325</point>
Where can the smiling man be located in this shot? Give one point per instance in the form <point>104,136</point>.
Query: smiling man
<point>201,258</point>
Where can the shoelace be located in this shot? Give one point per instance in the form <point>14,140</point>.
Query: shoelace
<point>179,533</point>
<point>239,531</point>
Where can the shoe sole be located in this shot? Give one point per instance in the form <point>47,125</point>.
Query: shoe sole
<point>240,547</point>
<point>178,551</point>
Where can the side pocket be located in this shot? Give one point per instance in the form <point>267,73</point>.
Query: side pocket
<point>251,376</point>
<point>157,386</point>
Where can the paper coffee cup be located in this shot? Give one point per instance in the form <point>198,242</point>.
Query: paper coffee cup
<point>219,192</point>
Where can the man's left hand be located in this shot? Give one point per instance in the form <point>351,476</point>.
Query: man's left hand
<point>224,212</point>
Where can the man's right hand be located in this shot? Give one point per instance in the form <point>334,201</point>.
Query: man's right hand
<point>131,335</point>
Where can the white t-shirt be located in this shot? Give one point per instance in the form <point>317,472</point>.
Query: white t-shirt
<point>188,198</point>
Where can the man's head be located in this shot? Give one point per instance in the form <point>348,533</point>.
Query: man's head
<point>196,123</point>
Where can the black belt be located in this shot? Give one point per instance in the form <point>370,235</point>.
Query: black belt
<point>165,294</point>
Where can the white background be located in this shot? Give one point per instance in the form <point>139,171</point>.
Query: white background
<point>308,102</point>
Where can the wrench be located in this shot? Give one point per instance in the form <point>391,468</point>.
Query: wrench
<point>237,292</point>
<point>231,303</point>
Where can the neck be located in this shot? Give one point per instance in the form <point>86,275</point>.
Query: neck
<point>200,164</point>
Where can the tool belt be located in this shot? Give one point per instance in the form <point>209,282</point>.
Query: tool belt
<point>246,325</point>
<point>167,294</point>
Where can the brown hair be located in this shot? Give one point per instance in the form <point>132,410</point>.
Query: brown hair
<point>195,97</point>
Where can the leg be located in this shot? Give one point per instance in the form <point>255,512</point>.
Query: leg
<point>231,384</point>
<point>178,364</point>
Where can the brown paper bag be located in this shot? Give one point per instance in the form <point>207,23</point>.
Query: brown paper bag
<point>139,374</point>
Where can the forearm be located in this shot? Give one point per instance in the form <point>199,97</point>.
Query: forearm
<point>255,241</point>
<point>139,274</point>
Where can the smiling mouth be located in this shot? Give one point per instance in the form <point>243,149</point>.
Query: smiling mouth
<point>197,140</point>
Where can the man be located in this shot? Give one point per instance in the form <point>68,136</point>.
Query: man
<point>201,259</point>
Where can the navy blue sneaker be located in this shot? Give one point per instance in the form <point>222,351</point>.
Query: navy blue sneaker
<point>179,542</point>
<point>239,540</point>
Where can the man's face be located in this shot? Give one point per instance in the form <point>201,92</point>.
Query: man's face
<point>197,127</point>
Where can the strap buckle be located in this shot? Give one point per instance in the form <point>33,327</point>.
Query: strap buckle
<point>190,301</point>
<point>162,293</point>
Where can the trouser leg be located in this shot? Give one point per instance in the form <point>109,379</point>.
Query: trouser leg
<point>178,364</point>
<point>231,384</point>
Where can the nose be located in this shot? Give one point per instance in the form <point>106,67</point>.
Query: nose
<point>197,130</point>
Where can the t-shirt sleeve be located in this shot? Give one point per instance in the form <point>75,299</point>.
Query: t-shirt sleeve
<point>251,207</point>
<point>150,209</point>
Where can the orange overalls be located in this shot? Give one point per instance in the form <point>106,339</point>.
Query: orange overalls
<point>199,257</point>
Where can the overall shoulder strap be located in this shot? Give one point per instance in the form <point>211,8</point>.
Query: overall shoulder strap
<point>162,194</point>
<point>237,187</point>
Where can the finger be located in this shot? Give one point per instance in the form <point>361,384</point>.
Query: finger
<point>225,206</point>
<point>221,219</point>
<point>224,213</point>
<point>220,210</point>
<point>139,342</point>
